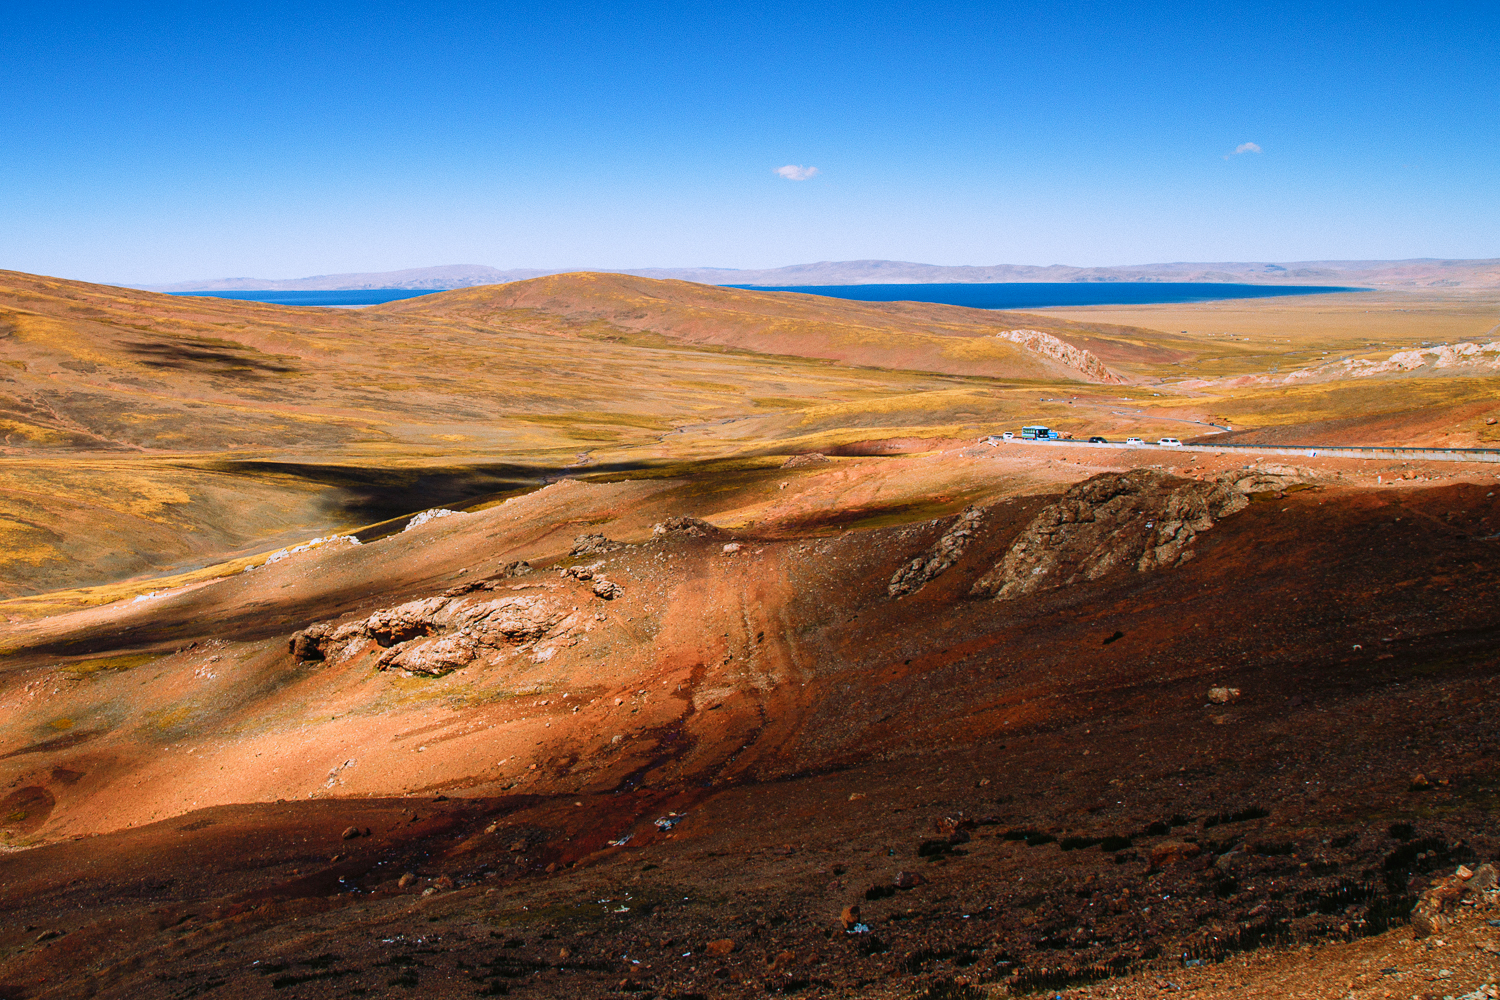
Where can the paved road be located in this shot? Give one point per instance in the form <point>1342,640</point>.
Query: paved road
<point>1301,451</point>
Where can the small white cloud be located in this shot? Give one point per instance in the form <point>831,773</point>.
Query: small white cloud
<point>792,172</point>
<point>1244,147</point>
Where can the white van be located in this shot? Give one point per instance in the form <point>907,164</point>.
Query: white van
<point>1134,441</point>
<point>1169,443</point>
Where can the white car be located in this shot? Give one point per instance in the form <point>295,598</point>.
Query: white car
<point>1008,436</point>
<point>1134,441</point>
<point>1169,443</point>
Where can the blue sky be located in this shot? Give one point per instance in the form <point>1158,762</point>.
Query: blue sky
<point>161,144</point>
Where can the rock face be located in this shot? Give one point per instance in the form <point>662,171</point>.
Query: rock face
<point>1060,350</point>
<point>1142,519</point>
<point>946,551</point>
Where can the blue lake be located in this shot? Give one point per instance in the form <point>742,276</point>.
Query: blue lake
<point>1036,294</point>
<point>1002,295</point>
<point>316,297</point>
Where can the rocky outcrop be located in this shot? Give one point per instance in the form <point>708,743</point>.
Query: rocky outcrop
<point>943,553</point>
<point>430,515</point>
<point>1143,520</point>
<point>811,458</point>
<point>687,527</point>
<point>1061,351</point>
<point>1464,355</point>
<point>439,634</point>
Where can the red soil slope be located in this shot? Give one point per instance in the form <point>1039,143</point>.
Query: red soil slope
<point>679,792</point>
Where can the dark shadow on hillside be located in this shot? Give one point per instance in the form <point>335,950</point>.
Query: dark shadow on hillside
<point>187,357</point>
<point>372,495</point>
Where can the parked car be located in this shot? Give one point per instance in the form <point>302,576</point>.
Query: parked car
<point>1096,439</point>
<point>1134,441</point>
<point>1008,436</point>
<point>1169,443</point>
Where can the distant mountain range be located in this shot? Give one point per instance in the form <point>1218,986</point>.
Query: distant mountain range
<point>1422,273</point>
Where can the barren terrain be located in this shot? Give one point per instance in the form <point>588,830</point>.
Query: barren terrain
<point>685,675</point>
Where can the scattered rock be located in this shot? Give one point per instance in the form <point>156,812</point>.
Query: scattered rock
<point>731,548</point>
<point>47,936</point>
<point>720,948</point>
<point>1435,906</point>
<point>350,832</point>
<point>811,458</point>
<point>407,881</point>
<point>849,917</point>
<point>1419,782</point>
<point>946,551</point>
<point>606,590</point>
<point>442,882</point>
<point>1223,695</point>
<point>582,572</point>
<point>1170,852</point>
<point>856,796</point>
<point>909,880</point>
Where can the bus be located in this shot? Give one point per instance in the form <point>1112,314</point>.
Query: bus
<point>1036,432</point>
